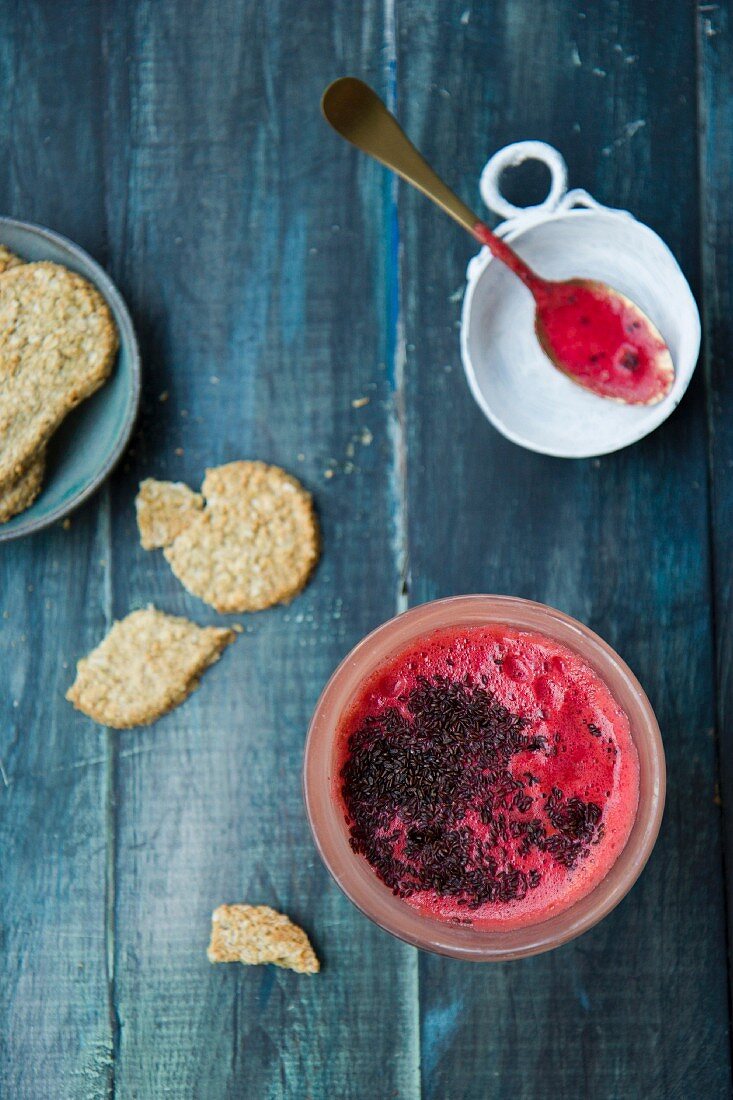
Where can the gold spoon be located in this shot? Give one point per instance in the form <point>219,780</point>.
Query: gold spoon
<point>592,333</point>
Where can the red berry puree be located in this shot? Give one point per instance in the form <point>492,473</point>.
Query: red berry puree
<point>603,341</point>
<point>488,776</point>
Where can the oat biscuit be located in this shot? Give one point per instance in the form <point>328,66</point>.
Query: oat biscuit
<point>253,934</point>
<point>57,344</point>
<point>164,509</point>
<point>148,664</point>
<point>8,259</point>
<point>254,544</point>
<point>20,494</point>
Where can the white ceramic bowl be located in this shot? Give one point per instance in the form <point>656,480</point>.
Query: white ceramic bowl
<point>515,385</point>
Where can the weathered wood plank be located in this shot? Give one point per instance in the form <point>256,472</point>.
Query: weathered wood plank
<point>715,61</point>
<point>251,245</point>
<point>55,1033</point>
<point>244,235</point>
<point>637,1007</point>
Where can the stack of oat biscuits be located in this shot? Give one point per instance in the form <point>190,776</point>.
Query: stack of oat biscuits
<point>57,346</point>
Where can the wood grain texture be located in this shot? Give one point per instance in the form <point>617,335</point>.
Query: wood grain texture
<point>249,243</point>
<point>619,542</point>
<point>180,142</point>
<point>715,65</point>
<point>55,1031</point>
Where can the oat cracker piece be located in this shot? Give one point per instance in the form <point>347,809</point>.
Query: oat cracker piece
<point>254,544</point>
<point>148,664</point>
<point>164,509</point>
<point>20,494</point>
<point>253,934</point>
<point>57,344</point>
<point>8,259</point>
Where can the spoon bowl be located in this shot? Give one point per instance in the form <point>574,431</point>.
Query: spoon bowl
<point>640,372</point>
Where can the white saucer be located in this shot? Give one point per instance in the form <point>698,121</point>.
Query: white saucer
<point>515,385</point>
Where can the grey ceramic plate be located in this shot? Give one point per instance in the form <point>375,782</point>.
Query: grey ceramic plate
<point>92,438</point>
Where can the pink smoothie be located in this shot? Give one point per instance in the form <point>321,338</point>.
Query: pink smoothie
<point>488,776</point>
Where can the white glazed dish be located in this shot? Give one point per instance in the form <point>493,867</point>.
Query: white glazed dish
<point>569,234</point>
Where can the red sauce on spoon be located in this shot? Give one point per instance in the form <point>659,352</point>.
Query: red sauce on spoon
<point>594,334</point>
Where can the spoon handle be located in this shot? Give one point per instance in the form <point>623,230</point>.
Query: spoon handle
<point>357,113</point>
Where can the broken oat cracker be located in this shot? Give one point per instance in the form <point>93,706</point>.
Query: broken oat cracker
<point>57,345</point>
<point>255,543</point>
<point>164,509</point>
<point>148,664</point>
<point>253,934</point>
<point>20,494</point>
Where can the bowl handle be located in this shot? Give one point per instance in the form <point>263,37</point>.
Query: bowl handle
<point>512,155</point>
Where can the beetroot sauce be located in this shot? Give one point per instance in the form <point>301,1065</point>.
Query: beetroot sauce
<point>604,342</point>
<point>596,336</point>
<point>488,776</point>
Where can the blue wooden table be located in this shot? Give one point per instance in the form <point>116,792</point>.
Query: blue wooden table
<point>275,277</point>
